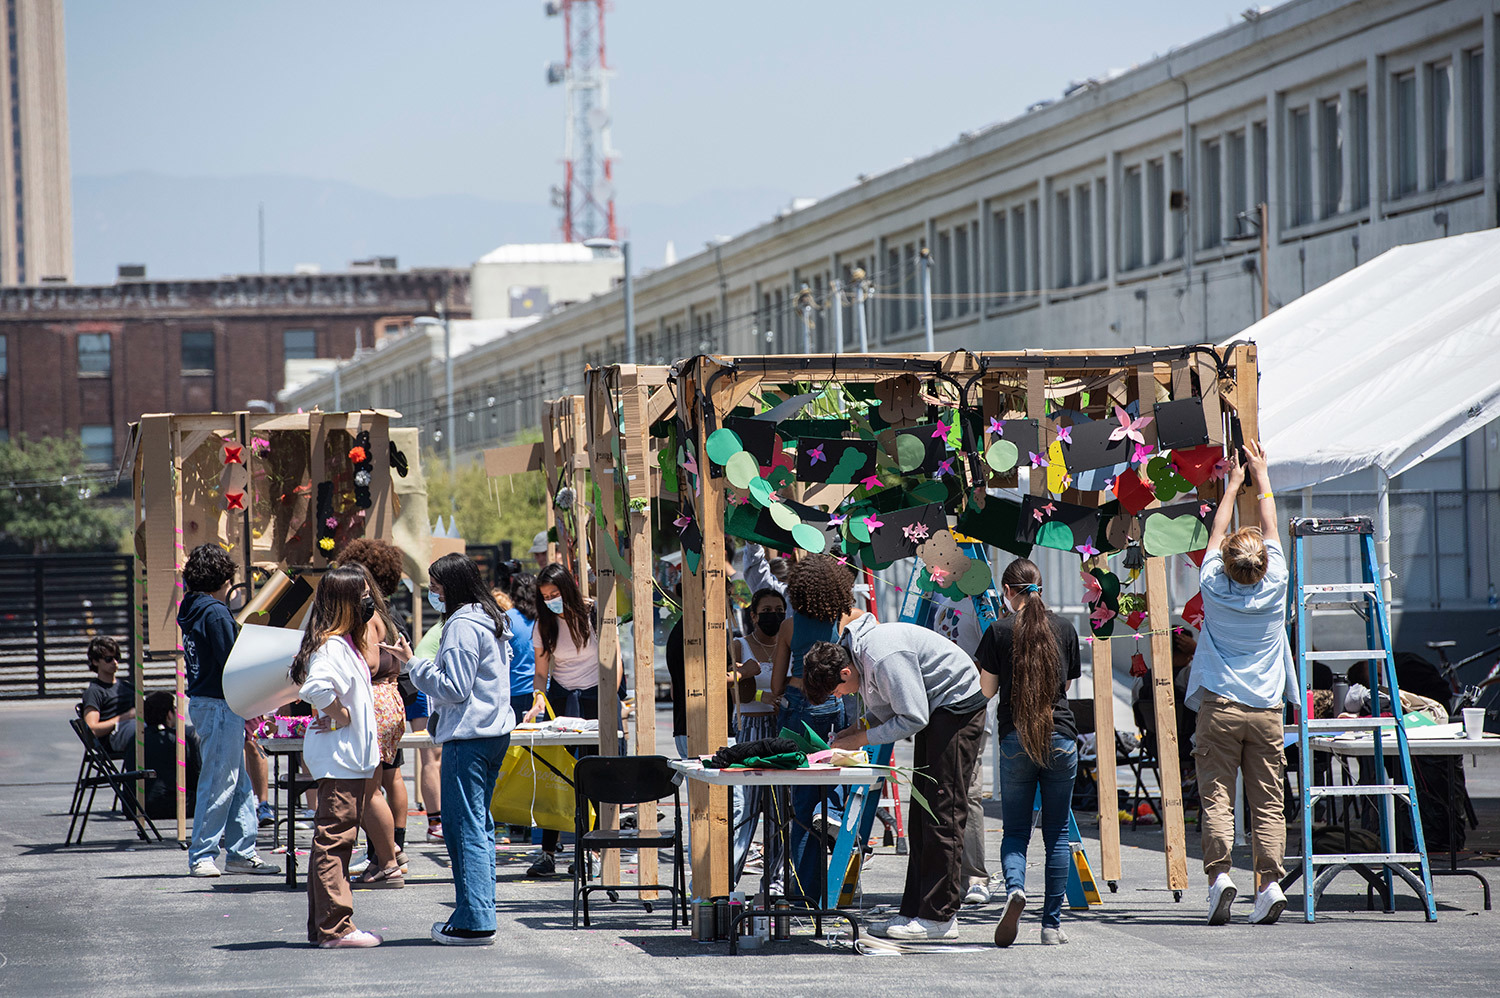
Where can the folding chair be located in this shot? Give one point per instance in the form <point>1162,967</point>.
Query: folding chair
<point>1139,759</point>
<point>629,779</point>
<point>100,770</point>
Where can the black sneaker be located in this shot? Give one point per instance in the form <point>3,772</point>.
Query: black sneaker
<point>544,867</point>
<point>447,935</point>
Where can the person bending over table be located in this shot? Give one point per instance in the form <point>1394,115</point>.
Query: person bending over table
<point>1241,680</point>
<point>914,682</point>
<point>469,683</point>
<point>341,747</point>
<point>109,702</point>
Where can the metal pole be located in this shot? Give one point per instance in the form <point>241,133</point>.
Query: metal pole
<point>859,311</point>
<point>927,296</point>
<point>338,389</point>
<point>448,433</point>
<point>838,316</point>
<point>1383,532</point>
<point>806,296</point>
<point>1265,260</point>
<point>629,305</point>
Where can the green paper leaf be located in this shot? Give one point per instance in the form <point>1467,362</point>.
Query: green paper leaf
<point>1002,455</point>
<point>741,469</point>
<point>1167,535</point>
<point>760,491</point>
<point>784,517</point>
<point>910,452</point>
<point>1055,535</point>
<point>977,579</point>
<point>929,491</point>
<point>808,537</point>
<point>722,445</point>
<point>857,528</point>
<point>781,476</point>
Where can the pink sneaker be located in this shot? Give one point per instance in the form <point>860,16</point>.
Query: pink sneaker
<point>358,939</point>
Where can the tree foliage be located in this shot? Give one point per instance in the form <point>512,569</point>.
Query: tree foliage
<point>516,515</point>
<point>46,505</point>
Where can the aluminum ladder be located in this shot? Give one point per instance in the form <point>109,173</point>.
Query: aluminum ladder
<point>1366,598</point>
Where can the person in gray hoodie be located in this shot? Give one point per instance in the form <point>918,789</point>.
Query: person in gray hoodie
<point>469,684</point>
<point>914,683</point>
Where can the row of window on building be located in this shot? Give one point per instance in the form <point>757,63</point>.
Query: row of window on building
<point>198,350</point>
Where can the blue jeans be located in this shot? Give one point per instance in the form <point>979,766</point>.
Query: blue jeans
<point>824,719</point>
<point>1020,778</point>
<point>470,768</point>
<point>225,803</point>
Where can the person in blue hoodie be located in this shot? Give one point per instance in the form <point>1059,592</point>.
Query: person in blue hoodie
<point>225,800</point>
<point>469,685</point>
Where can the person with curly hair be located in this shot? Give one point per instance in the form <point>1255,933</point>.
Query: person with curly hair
<point>820,590</point>
<point>226,801</point>
<point>916,684</point>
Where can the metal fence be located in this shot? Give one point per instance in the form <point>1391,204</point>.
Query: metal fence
<point>50,608</point>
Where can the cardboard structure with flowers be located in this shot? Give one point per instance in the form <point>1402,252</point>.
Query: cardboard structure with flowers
<point>282,493</point>
<point>875,458</point>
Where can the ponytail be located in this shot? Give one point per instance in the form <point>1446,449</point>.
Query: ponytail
<point>1035,662</point>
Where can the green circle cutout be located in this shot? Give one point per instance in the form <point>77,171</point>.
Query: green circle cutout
<point>910,452</point>
<point>784,517</point>
<point>977,579</point>
<point>857,528</point>
<point>722,445</point>
<point>741,469</point>
<point>1002,455</point>
<point>760,491</point>
<point>809,538</point>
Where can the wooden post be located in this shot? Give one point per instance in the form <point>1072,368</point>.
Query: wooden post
<point>550,449</point>
<point>598,429</point>
<point>1247,407</point>
<point>137,616</point>
<point>1159,620</point>
<point>1102,665</point>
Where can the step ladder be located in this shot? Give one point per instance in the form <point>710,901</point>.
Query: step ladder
<point>1366,598</point>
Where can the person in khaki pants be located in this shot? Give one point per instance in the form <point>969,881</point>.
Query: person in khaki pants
<point>1242,676</point>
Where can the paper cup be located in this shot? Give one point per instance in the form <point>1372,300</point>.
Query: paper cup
<point>1474,723</point>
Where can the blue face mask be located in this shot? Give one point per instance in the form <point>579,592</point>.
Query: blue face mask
<point>436,602</point>
<point>555,605</point>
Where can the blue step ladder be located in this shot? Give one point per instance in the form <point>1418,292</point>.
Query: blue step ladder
<point>859,810</point>
<point>1365,597</point>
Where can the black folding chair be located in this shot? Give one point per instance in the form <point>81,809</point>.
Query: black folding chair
<point>99,769</point>
<point>629,779</point>
<point>1139,759</point>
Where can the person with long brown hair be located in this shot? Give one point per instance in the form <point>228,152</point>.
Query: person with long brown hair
<point>1026,660</point>
<point>340,749</point>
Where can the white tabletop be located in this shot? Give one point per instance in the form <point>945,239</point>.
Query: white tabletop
<point>1431,739</point>
<point>523,735</point>
<point>812,776</point>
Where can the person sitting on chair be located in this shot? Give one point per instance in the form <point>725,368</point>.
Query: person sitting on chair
<point>161,757</point>
<point>109,702</point>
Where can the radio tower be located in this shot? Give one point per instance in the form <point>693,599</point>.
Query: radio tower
<point>587,195</point>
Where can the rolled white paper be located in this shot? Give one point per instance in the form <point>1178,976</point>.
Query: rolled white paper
<point>256,677</point>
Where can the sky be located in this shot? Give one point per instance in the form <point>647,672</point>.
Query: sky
<point>448,97</point>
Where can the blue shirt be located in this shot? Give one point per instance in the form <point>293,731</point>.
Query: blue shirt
<point>522,655</point>
<point>1243,653</point>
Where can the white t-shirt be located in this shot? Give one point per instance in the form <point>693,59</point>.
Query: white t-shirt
<point>350,752</point>
<point>573,667</point>
<point>745,652</point>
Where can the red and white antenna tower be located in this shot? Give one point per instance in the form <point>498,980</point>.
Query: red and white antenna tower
<point>587,195</point>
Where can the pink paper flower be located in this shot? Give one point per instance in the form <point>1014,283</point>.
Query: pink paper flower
<point>945,467</point>
<point>682,522</point>
<point>331,523</point>
<point>1204,509</point>
<point>1050,508</point>
<point>1142,452</point>
<point>940,431</point>
<point>1065,434</point>
<point>915,532</point>
<point>1101,615</point>
<point>690,463</point>
<point>871,482</point>
<point>939,575</point>
<point>1037,460</point>
<point>816,454</point>
<point>997,427</point>
<point>871,523</point>
<point>1129,429</point>
<point>1092,593</point>
<point>1038,515</point>
<point>836,520</point>
<point>1087,549</point>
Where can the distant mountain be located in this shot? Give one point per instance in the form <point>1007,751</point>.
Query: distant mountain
<point>206,226</point>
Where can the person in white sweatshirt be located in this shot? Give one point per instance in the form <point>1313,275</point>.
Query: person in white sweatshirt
<point>469,685</point>
<point>340,749</point>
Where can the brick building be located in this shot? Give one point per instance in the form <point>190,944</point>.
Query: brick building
<point>89,360</point>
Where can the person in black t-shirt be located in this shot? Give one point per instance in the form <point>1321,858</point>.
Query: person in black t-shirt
<point>1027,661</point>
<point>161,756</point>
<point>108,702</point>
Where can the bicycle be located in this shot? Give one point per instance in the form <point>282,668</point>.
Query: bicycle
<point>1472,695</point>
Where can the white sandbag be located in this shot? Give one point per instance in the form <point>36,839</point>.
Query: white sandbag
<point>256,677</point>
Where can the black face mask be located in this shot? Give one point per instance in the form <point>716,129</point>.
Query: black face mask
<point>769,621</point>
<point>366,608</point>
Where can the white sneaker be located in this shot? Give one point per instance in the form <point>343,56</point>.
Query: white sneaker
<point>925,928</point>
<point>1220,897</point>
<point>1054,937</point>
<point>978,894</point>
<point>1269,904</point>
<point>204,868</point>
<point>883,927</point>
<point>1010,918</point>
<point>360,867</point>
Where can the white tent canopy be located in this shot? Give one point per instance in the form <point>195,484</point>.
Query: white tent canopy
<point>1384,366</point>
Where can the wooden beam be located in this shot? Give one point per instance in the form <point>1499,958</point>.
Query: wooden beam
<point>1247,407</point>
<point>598,431</point>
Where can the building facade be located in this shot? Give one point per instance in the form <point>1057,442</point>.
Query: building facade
<point>36,195</point>
<point>90,360</point>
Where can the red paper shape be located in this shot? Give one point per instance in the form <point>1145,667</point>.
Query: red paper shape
<point>236,500</point>
<point>1196,557</point>
<point>232,454</point>
<point>1137,665</point>
<point>357,455</point>
<point>1134,494</point>
<point>1193,612</point>
<point>1196,464</point>
<point>1133,620</point>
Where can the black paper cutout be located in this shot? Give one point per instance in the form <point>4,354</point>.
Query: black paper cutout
<point>1084,523</point>
<point>1091,447</point>
<point>1181,424</point>
<point>843,461</point>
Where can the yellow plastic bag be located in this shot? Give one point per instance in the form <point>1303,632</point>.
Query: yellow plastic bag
<point>529,792</point>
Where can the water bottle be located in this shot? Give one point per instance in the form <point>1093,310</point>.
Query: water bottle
<point>1340,695</point>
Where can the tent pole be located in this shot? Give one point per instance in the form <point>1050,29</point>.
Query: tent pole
<point>1383,531</point>
<point>1307,501</point>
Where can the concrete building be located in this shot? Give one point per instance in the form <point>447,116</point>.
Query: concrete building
<point>1125,212</point>
<point>36,199</point>
<point>89,360</point>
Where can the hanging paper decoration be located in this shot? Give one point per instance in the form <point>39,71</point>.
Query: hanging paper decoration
<point>398,460</point>
<point>235,500</point>
<point>359,455</point>
<point>327,519</point>
<point>234,454</point>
